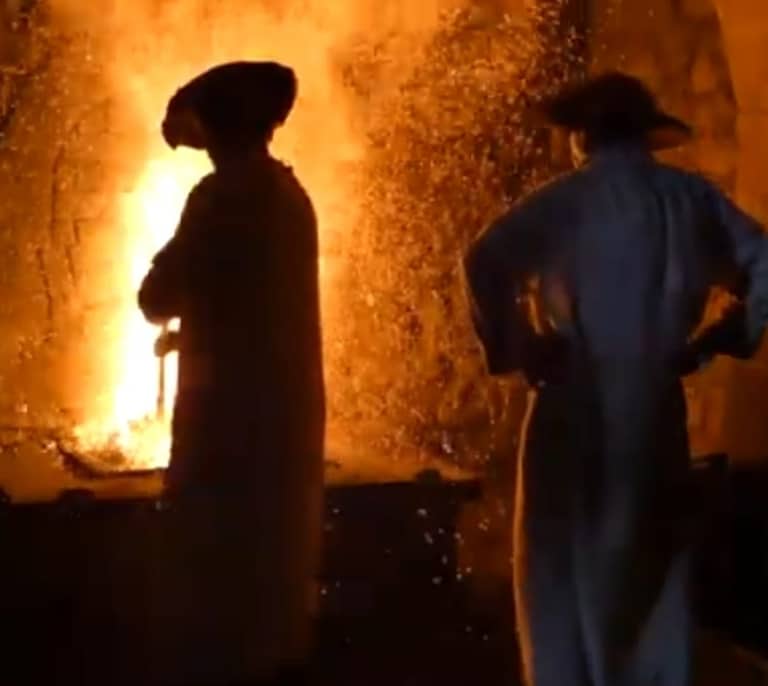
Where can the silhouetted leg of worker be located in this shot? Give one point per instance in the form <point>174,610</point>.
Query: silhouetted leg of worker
<point>600,570</point>
<point>664,653</point>
<point>545,595</point>
<point>628,546</point>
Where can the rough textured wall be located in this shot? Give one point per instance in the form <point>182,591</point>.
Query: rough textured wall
<point>745,29</point>
<point>59,243</point>
<point>54,200</point>
<point>676,46</point>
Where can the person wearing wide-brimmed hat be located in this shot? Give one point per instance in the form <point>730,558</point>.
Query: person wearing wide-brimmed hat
<point>245,476</point>
<point>623,253</point>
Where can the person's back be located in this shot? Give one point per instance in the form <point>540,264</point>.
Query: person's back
<point>628,251</point>
<point>250,363</point>
<point>619,258</point>
<point>245,481</point>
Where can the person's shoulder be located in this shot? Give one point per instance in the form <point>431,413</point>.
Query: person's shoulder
<point>289,185</point>
<point>710,197</point>
<point>561,184</point>
<point>204,189</point>
<point>694,181</point>
<point>540,206</point>
<point>554,195</point>
<point>292,208</point>
<point>205,183</point>
<point>286,176</point>
<point>199,199</point>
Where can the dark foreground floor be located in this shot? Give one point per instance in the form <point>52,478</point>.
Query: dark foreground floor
<point>395,613</point>
<point>447,649</point>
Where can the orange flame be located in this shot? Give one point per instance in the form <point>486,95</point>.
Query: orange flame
<point>150,214</point>
<point>151,49</point>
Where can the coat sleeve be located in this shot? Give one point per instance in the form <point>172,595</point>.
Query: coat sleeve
<point>497,267</point>
<point>162,290</point>
<point>747,248</point>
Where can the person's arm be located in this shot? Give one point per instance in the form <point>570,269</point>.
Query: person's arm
<point>497,268</point>
<point>492,298</point>
<point>742,249</point>
<point>746,245</point>
<point>162,290</point>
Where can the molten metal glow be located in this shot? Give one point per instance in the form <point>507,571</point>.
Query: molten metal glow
<point>134,429</point>
<point>153,49</point>
<point>351,57</point>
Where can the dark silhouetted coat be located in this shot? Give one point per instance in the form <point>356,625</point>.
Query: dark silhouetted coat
<point>624,253</point>
<point>245,476</point>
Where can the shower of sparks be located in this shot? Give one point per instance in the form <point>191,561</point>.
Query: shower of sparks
<point>389,140</point>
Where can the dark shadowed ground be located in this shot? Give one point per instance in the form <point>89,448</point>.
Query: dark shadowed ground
<point>395,612</point>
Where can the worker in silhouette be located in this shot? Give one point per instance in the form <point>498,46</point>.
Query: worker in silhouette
<point>592,287</point>
<point>245,476</point>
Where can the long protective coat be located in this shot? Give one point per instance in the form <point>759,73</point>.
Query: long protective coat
<point>245,477</point>
<point>623,253</point>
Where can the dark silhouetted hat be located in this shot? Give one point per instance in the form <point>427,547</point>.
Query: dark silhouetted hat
<point>236,102</point>
<point>615,106</point>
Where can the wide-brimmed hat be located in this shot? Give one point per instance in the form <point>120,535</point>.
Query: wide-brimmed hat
<point>237,102</point>
<point>615,105</point>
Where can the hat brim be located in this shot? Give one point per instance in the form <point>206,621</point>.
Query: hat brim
<point>239,101</point>
<point>668,132</point>
<point>662,131</point>
<point>182,127</point>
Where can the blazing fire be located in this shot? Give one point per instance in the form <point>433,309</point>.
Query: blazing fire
<point>137,426</point>
<point>366,104</point>
<point>128,430</point>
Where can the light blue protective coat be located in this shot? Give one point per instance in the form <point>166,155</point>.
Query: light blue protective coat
<point>624,253</point>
